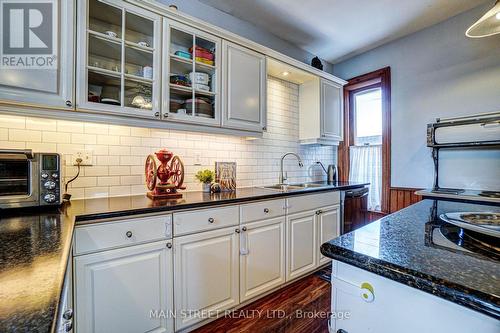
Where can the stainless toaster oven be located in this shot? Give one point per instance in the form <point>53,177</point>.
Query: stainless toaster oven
<point>29,179</point>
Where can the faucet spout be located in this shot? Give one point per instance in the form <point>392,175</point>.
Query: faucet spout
<point>283,176</point>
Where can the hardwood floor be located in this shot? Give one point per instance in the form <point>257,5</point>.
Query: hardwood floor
<point>282,311</point>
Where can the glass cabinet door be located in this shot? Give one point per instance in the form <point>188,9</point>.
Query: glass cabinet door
<point>191,81</point>
<point>120,45</point>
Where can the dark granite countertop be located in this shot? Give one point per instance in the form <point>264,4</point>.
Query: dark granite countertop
<point>103,208</point>
<point>414,247</point>
<point>34,251</point>
<point>35,246</point>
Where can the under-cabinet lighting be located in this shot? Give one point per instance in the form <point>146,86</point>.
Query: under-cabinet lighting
<point>285,73</point>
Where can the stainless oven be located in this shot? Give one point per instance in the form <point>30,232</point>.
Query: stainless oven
<point>29,179</point>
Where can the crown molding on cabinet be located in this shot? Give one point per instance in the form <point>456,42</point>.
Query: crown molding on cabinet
<point>165,11</point>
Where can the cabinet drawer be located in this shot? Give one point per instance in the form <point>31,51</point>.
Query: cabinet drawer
<point>102,236</point>
<point>205,219</point>
<point>262,210</point>
<point>312,201</point>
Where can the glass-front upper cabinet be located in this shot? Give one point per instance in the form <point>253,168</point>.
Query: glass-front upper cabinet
<point>119,59</point>
<point>37,63</point>
<point>191,75</point>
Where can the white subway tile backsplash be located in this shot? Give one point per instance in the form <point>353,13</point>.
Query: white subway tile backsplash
<point>25,135</point>
<point>7,121</point>
<point>4,134</point>
<point>120,151</point>
<point>70,126</point>
<point>56,137</point>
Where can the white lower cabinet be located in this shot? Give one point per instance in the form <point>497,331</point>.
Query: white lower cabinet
<point>301,244</point>
<point>262,259</point>
<point>219,259</point>
<point>368,298</point>
<point>118,290</point>
<point>328,220</point>
<point>206,268</point>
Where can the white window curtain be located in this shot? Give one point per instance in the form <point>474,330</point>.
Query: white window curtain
<point>366,166</point>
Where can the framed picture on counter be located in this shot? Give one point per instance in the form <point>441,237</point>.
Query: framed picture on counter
<point>225,175</point>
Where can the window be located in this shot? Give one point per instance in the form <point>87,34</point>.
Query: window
<point>368,117</point>
<point>364,155</point>
<point>366,151</point>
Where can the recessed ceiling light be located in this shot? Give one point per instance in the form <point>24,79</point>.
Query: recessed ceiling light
<point>285,73</point>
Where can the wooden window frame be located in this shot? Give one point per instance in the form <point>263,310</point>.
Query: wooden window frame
<point>379,78</point>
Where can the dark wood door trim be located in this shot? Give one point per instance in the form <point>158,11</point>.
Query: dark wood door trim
<point>382,78</point>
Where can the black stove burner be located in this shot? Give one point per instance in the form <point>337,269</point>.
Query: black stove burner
<point>490,194</point>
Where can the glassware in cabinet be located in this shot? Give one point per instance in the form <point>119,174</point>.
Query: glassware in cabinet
<point>120,43</point>
<point>193,62</point>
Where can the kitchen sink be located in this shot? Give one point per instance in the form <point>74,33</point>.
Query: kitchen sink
<point>292,187</point>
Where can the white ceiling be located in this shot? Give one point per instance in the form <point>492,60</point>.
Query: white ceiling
<point>337,29</point>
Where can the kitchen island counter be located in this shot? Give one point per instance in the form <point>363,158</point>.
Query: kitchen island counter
<point>414,247</point>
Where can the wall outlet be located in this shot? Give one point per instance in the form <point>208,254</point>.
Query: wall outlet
<point>87,157</point>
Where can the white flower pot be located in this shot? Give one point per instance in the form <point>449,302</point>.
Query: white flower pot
<point>206,187</point>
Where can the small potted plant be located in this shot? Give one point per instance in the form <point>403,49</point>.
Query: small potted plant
<point>206,177</point>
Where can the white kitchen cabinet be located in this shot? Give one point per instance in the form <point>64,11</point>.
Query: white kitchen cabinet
<point>301,244</point>
<point>186,53</point>
<point>244,85</point>
<point>321,112</point>
<point>116,289</point>
<point>51,84</point>
<point>328,220</point>
<point>408,309</point>
<point>262,257</point>
<point>331,111</point>
<point>118,58</point>
<point>206,270</point>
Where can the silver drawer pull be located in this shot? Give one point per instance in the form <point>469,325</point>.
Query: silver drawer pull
<point>211,220</point>
<point>128,234</point>
<point>169,245</point>
<point>68,314</point>
<point>266,210</point>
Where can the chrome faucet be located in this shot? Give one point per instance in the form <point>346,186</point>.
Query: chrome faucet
<point>284,175</point>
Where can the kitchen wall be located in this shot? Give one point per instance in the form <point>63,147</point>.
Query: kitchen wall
<point>437,72</point>
<point>120,151</point>
<point>243,28</point>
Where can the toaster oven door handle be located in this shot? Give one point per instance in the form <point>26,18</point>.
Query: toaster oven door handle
<point>16,154</point>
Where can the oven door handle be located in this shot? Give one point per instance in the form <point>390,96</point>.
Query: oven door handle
<point>16,154</point>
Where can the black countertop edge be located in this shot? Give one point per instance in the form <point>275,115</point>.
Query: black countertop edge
<point>453,292</point>
<point>65,261</point>
<point>272,194</point>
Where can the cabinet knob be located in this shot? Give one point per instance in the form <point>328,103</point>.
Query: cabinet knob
<point>237,231</point>
<point>68,103</point>
<point>264,128</point>
<point>211,220</point>
<point>68,314</point>
<point>68,326</point>
<point>128,234</point>
<point>244,229</point>
<point>342,331</point>
<point>318,212</point>
<point>266,210</point>
<point>169,245</point>
<point>157,114</point>
<point>165,115</point>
